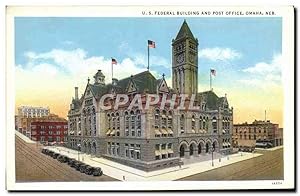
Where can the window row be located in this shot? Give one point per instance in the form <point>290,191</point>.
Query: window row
<point>163,151</point>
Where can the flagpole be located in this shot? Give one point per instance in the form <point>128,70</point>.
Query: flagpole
<point>210,79</point>
<point>112,71</point>
<point>148,57</point>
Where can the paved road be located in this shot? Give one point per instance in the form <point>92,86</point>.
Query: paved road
<point>269,166</point>
<point>33,166</point>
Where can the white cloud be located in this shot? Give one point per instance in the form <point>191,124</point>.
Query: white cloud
<point>264,74</point>
<point>267,68</point>
<point>219,54</point>
<point>72,68</point>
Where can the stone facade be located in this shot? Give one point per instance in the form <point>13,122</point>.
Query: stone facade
<point>153,138</point>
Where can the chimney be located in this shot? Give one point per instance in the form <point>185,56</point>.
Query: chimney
<point>114,81</point>
<point>76,93</point>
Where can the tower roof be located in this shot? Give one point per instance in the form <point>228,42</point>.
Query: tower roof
<point>185,31</point>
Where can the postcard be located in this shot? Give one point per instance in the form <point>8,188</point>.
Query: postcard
<point>150,98</point>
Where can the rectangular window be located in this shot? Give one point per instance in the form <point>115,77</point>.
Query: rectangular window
<point>157,146</point>
<point>132,153</point>
<point>138,155</point>
<point>139,132</point>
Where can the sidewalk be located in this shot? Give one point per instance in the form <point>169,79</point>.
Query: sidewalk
<point>23,137</point>
<point>125,173</point>
<point>269,149</point>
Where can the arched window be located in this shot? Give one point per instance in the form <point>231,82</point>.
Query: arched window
<point>138,123</point>
<point>204,124</point>
<point>193,123</point>
<point>126,118</point>
<point>164,123</point>
<point>214,124</point>
<point>156,118</point>
<point>200,124</point>
<point>132,116</point>
<point>170,124</point>
<point>182,124</point>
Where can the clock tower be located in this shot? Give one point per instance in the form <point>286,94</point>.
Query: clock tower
<point>185,61</point>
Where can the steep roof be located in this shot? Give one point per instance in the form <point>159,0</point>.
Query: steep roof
<point>185,31</point>
<point>144,81</point>
<point>213,102</point>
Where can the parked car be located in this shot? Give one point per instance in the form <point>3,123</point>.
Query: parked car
<point>45,151</point>
<point>77,165</point>
<point>83,168</point>
<point>89,170</point>
<point>97,171</point>
<point>50,153</point>
<point>62,158</point>
<point>55,155</point>
<point>71,162</point>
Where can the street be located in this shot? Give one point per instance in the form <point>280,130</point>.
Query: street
<point>33,166</point>
<point>266,167</point>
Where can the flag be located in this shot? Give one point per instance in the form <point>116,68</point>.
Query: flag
<point>113,61</point>
<point>213,72</point>
<point>151,44</point>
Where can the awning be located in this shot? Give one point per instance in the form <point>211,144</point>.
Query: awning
<point>108,132</point>
<point>157,132</point>
<point>112,132</point>
<point>170,151</point>
<point>170,131</point>
<point>164,131</point>
<point>224,131</point>
<point>164,152</point>
<point>157,153</point>
<point>163,116</point>
<point>193,119</point>
<point>79,132</point>
<point>169,116</point>
<point>193,130</point>
<point>229,144</point>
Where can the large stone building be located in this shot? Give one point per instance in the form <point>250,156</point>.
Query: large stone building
<point>259,133</point>
<point>153,138</point>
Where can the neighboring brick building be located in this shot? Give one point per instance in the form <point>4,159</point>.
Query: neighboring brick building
<point>49,131</point>
<point>257,133</point>
<point>23,123</point>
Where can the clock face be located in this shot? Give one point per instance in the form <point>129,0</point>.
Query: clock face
<point>180,58</point>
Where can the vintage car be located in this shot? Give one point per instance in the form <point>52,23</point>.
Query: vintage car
<point>83,168</point>
<point>62,158</point>
<point>77,165</point>
<point>55,155</point>
<point>97,171</point>
<point>71,162</point>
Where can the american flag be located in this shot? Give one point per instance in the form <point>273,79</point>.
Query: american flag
<point>113,61</point>
<point>213,72</point>
<point>151,44</point>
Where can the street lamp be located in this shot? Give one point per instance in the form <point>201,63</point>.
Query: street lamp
<point>78,145</point>
<point>212,155</point>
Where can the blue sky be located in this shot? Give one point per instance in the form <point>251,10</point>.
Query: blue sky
<point>246,52</point>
